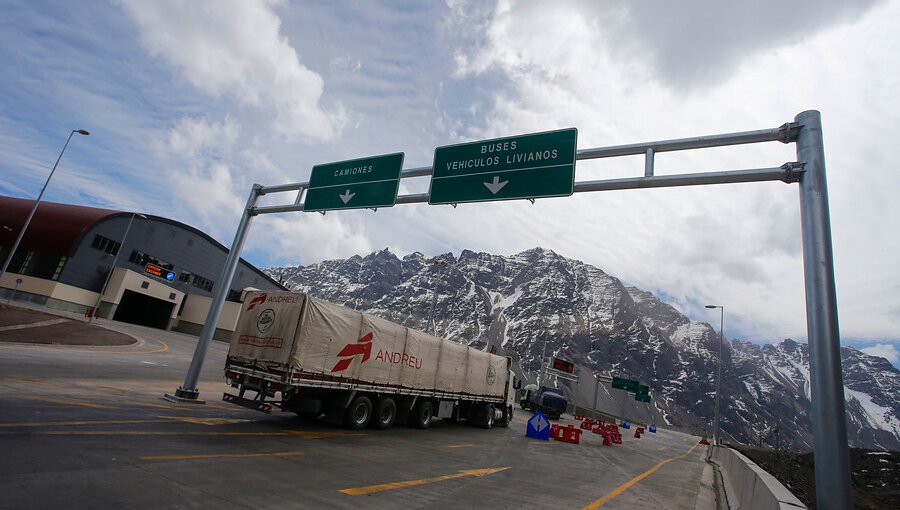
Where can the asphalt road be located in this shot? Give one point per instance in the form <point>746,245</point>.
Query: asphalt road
<point>86,427</point>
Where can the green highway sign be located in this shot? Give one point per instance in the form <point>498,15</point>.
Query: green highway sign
<point>625,384</point>
<point>642,393</point>
<point>536,165</point>
<point>355,184</point>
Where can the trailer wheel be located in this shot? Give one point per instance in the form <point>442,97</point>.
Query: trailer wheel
<point>488,416</point>
<point>420,418</point>
<point>507,417</point>
<point>385,414</point>
<point>359,412</point>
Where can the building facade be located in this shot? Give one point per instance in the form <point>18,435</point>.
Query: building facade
<point>68,253</point>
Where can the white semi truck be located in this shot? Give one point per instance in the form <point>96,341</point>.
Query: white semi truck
<point>359,370</point>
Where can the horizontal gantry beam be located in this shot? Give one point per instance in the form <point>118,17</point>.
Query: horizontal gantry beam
<point>789,172</point>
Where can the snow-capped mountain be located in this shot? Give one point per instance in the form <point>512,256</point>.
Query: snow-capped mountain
<point>538,301</point>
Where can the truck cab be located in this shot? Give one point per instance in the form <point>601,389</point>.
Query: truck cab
<point>549,401</point>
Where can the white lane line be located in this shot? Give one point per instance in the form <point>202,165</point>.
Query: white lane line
<point>50,322</point>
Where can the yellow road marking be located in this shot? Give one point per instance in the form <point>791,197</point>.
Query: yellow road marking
<point>72,423</point>
<point>305,435</point>
<point>164,348</point>
<point>109,387</point>
<point>308,434</point>
<point>171,408</point>
<point>359,491</point>
<point>456,446</point>
<point>145,433</point>
<point>21,379</point>
<point>206,421</point>
<point>220,456</point>
<point>66,402</point>
<point>627,485</point>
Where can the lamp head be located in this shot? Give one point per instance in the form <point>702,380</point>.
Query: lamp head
<point>82,132</point>
<point>713,306</point>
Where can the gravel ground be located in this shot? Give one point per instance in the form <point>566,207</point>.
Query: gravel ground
<point>876,475</point>
<point>59,330</point>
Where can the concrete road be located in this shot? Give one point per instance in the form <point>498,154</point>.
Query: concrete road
<point>86,427</point>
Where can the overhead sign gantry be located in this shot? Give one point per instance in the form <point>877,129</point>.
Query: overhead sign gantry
<point>826,379</point>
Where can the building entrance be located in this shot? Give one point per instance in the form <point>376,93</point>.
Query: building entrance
<point>144,310</point>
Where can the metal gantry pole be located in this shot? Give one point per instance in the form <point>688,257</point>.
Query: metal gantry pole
<point>832,458</point>
<point>188,391</point>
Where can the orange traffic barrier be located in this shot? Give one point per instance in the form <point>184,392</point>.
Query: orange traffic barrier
<point>567,434</point>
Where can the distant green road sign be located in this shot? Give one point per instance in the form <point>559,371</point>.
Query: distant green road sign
<point>536,165</point>
<point>620,383</point>
<point>355,184</point>
<point>642,397</point>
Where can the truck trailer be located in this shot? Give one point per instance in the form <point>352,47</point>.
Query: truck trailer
<point>319,359</point>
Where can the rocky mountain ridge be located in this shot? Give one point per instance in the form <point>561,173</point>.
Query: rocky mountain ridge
<point>537,301</point>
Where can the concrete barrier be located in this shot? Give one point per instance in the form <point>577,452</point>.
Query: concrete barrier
<point>748,486</point>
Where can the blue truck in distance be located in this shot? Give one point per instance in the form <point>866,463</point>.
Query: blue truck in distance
<point>544,399</point>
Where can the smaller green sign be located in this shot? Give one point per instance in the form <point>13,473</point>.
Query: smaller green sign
<point>620,383</point>
<point>354,184</point>
<point>641,397</point>
<point>642,390</point>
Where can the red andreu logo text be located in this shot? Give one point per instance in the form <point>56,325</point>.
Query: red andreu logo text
<point>362,346</point>
<point>258,300</point>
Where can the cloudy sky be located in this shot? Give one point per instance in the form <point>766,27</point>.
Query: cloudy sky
<point>190,103</point>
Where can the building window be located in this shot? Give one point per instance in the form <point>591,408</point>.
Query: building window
<point>106,244</point>
<point>196,280</point>
<point>142,259</point>
<point>59,268</point>
<point>25,263</point>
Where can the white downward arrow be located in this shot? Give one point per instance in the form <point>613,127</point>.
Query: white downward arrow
<point>347,196</point>
<point>496,185</point>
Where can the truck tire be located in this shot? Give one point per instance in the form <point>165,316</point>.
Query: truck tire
<point>507,417</point>
<point>385,414</point>
<point>488,416</point>
<point>420,418</point>
<point>358,414</point>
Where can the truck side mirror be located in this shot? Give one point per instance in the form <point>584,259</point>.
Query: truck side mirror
<point>517,384</point>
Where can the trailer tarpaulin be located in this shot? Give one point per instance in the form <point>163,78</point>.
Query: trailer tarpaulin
<point>267,327</point>
<point>423,351</point>
<point>339,342</point>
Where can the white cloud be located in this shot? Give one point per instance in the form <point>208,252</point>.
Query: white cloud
<point>887,351</point>
<point>236,93</point>
<point>576,64</point>
<point>199,168</point>
<point>235,50</point>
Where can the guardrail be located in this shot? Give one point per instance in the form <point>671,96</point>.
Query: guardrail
<point>748,486</point>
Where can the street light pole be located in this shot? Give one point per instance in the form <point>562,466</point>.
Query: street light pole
<point>15,245</point>
<point>717,440</point>
<point>113,267</point>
